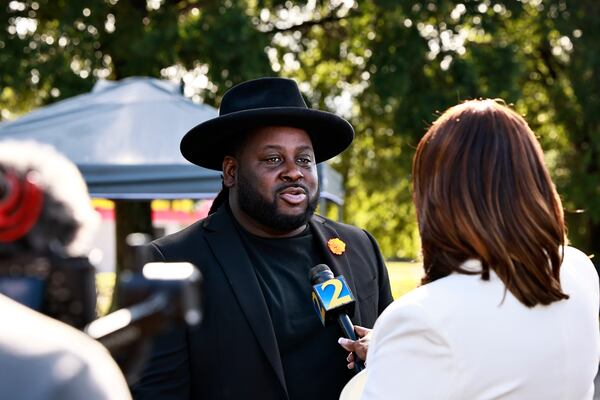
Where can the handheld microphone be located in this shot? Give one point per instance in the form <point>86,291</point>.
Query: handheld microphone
<point>333,300</point>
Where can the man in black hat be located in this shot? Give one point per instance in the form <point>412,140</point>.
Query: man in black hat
<point>260,337</point>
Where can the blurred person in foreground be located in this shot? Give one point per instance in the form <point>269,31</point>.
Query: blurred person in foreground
<point>261,337</point>
<point>45,210</point>
<point>506,310</point>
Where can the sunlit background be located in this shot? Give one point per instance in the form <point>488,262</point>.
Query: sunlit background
<point>389,66</point>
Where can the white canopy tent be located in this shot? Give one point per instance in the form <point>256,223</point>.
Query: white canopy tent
<point>124,137</point>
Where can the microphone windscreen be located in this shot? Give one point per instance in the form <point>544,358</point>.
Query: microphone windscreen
<point>320,273</point>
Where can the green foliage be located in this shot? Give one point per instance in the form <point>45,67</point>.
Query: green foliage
<point>388,66</point>
<point>52,50</point>
<point>416,58</point>
<point>404,276</point>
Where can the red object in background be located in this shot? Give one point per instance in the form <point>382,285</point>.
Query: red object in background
<point>168,214</point>
<point>20,207</point>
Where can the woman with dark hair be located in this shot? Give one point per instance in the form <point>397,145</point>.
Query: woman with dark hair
<point>506,310</point>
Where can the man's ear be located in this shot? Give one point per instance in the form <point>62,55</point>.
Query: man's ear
<point>230,169</point>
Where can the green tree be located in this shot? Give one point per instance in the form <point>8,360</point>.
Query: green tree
<point>402,61</point>
<point>387,65</point>
<point>571,76</point>
<point>53,50</point>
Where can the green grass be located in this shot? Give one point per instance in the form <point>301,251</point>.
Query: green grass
<point>404,276</point>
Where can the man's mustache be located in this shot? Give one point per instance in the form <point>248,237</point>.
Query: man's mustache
<point>285,186</point>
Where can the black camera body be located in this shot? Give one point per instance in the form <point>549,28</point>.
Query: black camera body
<point>63,288</point>
<point>151,297</point>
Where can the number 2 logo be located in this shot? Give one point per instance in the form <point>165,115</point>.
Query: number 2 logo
<point>336,300</point>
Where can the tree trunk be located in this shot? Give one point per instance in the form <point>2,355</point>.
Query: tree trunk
<point>130,217</point>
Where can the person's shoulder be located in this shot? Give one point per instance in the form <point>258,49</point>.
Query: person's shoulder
<point>38,342</point>
<point>359,239</point>
<point>182,235</point>
<point>339,226</point>
<point>420,304</point>
<point>191,241</point>
<point>422,295</point>
<point>578,266</point>
<point>439,298</point>
<point>43,332</point>
<point>573,255</point>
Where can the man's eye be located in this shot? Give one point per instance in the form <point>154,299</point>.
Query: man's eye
<point>273,160</point>
<point>303,160</point>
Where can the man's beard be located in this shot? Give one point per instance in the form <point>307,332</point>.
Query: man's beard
<point>265,212</point>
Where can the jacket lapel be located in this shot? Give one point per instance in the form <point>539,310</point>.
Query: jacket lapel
<point>229,251</point>
<point>339,264</point>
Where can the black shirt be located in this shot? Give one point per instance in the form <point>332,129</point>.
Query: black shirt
<point>314,363</point>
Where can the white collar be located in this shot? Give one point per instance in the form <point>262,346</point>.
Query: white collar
<point>472,265</point>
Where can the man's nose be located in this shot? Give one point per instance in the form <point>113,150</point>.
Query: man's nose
<point>292,172</point>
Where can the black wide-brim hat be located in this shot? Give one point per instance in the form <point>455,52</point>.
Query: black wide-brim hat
<point>264,102</point>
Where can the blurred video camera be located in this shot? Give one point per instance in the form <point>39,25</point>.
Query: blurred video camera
<point>62,288</point>
<point>151,297</point>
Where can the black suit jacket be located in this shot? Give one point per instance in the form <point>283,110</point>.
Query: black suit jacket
<point>233,354</point>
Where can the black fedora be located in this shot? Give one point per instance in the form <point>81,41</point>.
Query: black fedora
<point>264,102</point>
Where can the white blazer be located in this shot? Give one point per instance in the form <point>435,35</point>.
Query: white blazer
<point>464,338</point>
